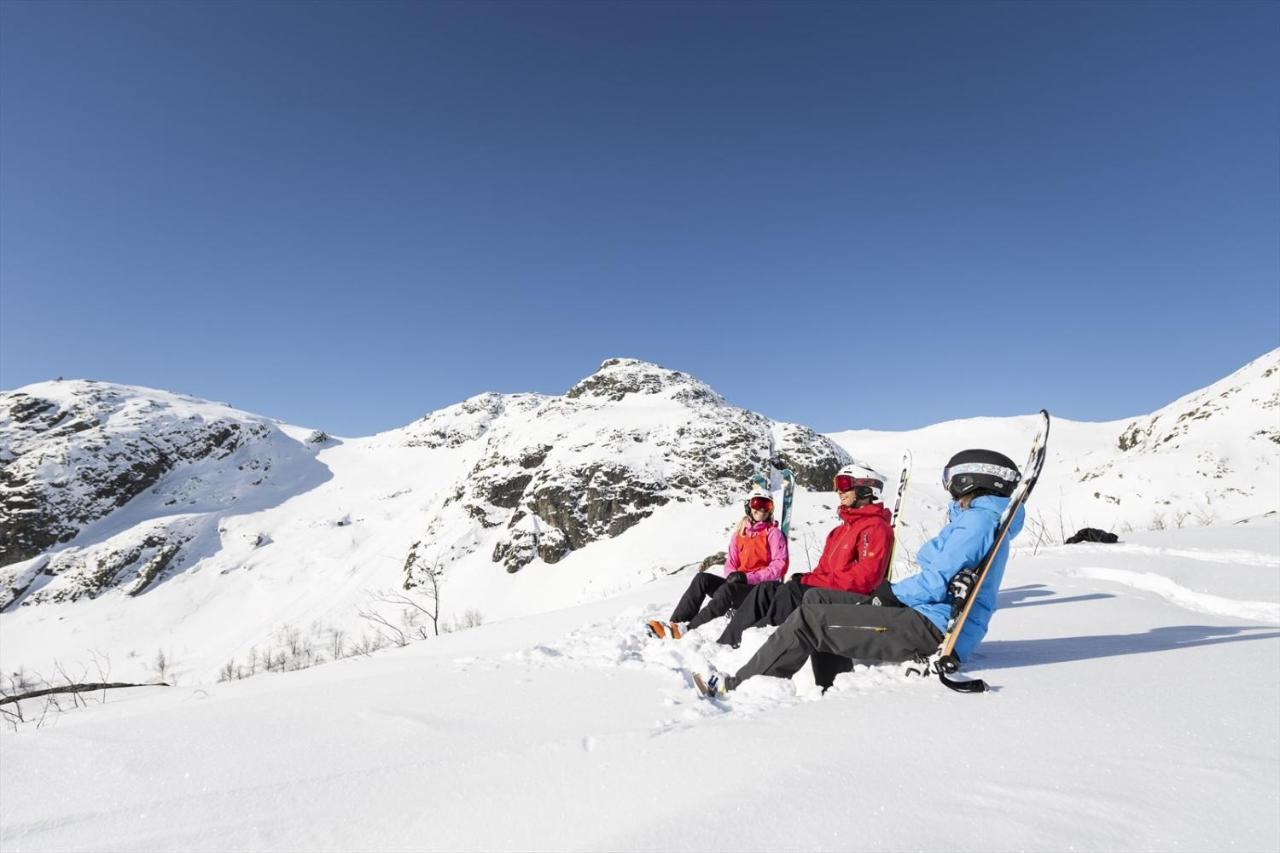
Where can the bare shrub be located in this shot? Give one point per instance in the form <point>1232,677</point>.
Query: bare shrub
<point>470,618</point>
<point>1205,515</point>
<point>160,665</point>
<point>24,693</point>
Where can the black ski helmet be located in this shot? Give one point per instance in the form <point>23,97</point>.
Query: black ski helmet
<point>970,470</point>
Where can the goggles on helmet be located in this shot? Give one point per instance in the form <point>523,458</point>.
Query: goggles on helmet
<point>845,483</point>
<point>761,503</point>
<point>985,469</point>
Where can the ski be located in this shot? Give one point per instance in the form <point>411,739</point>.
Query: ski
<point>711,687</point>
<point>903,479</point>
<point>788,491</point>
<point>943,661</point>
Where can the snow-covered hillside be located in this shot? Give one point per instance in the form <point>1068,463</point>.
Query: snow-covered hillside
<point>1210,457</point>
<point>137,522</point>
<point>519,503</point>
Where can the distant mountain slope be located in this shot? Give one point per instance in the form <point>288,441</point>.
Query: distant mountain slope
<point>1210,456</point>
<point>84,461</point>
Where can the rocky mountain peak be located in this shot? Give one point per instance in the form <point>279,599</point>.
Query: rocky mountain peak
<point>618,378</point>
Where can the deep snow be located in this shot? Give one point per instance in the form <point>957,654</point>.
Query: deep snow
<point>1124,716</point>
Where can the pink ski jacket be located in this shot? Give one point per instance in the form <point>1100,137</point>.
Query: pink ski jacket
<point>772,567</point>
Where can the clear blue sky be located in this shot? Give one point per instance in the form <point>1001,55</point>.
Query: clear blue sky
<point>848,215</point>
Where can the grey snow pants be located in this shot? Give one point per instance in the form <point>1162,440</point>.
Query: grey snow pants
<point>832,622</point>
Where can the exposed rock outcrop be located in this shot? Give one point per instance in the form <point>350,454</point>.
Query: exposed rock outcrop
<point>557,473</point>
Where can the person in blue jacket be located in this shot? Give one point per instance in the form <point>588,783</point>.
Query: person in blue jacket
<point>903,620</point>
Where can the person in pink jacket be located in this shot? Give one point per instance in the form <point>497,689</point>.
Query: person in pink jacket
<point>757,553</point>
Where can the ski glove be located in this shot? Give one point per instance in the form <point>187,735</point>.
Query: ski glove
<point>882,596</point>
<point>737,577</point>
<point>960,588</point>
<point>796,577</point>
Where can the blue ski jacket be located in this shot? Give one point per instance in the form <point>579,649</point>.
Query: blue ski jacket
<point>961,544</point>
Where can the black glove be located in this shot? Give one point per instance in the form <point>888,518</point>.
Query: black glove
<point>736,577</point>
<point>882,596</point>
<point>795,579</point>
<point>960,588</point>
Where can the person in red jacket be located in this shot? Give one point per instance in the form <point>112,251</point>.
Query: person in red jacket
<point>854,559</point>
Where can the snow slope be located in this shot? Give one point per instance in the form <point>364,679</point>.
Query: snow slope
<point>528,503</point>
<point>524,502</point>
<point>1210,456</point>
<point>1125,716</point>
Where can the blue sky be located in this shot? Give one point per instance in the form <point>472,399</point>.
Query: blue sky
<point>848,215</point>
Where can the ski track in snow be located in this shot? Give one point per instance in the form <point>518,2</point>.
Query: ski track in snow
<point>1236,557</point>
<point>1176,593</point>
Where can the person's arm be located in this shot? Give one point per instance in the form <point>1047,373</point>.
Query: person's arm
<point>778,559</point>
<point>874,547</point>
<point>864,567</point>
<point>820,571</point>
<point>966,545</point>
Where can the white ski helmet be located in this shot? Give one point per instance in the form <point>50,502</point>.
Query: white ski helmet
<point>860,478</point>
<point>758,493</point>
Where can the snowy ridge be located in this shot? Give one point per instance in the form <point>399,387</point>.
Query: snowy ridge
<point>133,479</point>
<point>1210,457</point>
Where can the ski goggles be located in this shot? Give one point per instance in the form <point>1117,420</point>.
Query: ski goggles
<point>1009,475</point>
<point>761,503</point>
<point>845,483</point>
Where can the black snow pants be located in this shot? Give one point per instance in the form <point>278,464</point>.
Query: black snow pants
<point>725,596</point>
<point>768,603</point>
<point>828,621</point>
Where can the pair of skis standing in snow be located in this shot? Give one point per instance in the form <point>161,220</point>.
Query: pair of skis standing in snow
<point>848,608</point>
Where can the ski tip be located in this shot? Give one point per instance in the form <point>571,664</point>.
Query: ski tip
<point>714,686</point>
<point>709,687</point>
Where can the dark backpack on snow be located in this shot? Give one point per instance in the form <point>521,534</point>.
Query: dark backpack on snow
<point>1093,534</point>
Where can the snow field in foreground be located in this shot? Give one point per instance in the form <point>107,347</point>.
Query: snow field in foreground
<point>1123,717</point>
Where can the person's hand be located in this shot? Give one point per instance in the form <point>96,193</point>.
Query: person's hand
<point>960,588</point>
<point>736,577</point>
<point>882,596</point>
<point>796,577</point>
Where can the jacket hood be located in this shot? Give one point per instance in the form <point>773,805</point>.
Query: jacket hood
<point>863,512</point>
<point>994,505</point>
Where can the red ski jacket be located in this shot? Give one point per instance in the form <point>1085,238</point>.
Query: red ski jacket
<point>857,552</point>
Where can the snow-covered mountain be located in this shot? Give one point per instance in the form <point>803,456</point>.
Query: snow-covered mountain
<point>235,526</point>
<point>142,472</point>
<point>1212,456</point>
<point>135,520</point>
